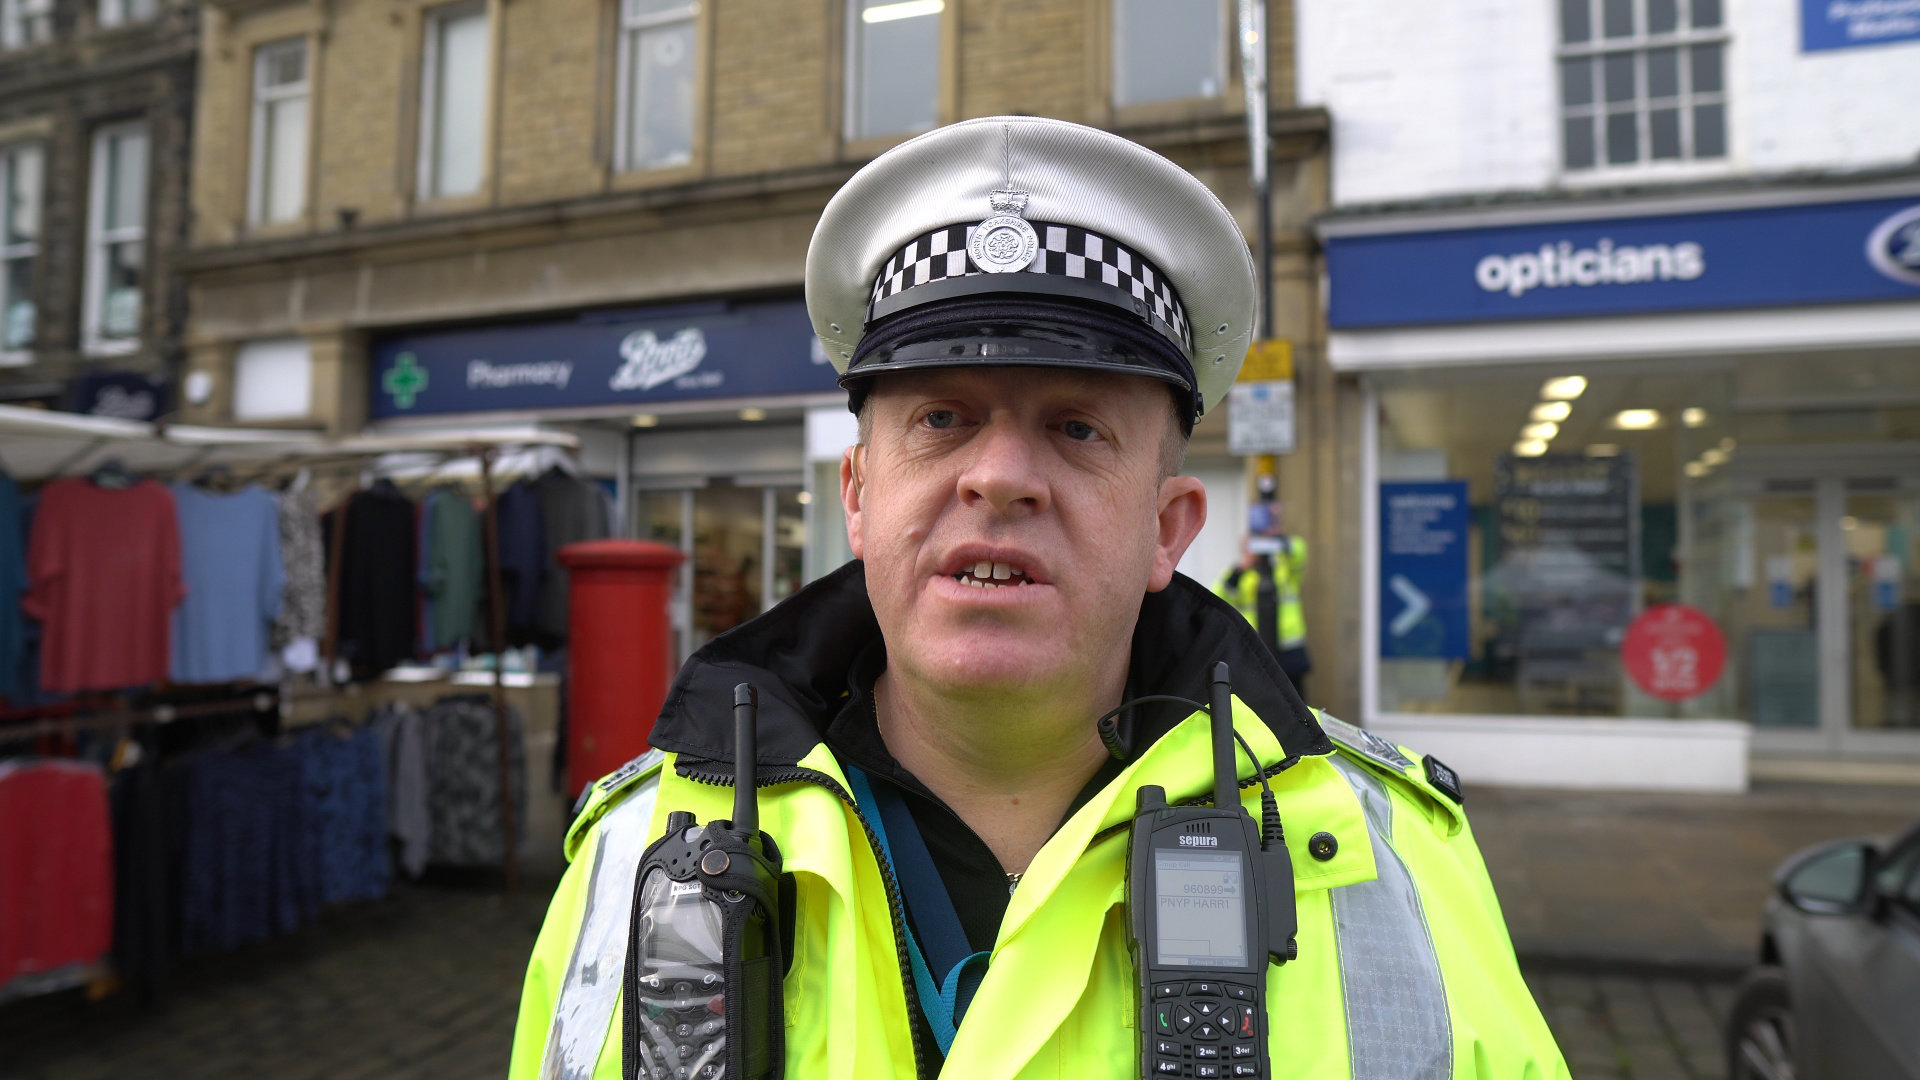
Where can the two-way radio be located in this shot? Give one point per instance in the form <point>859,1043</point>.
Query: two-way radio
<point>1210,901</point>
<point>702,995</point>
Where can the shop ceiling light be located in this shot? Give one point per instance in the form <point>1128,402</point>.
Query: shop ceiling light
<point>1636,419</point>
<point>753,415</point>
<point>804,498</point>
<point>1530,447</point>
<point>1564,388</point>
<point>1849,523</point>
<point>1554,411</point>
<point>1728,444</point>
<point>1715,457</point>
<point>906,9</point>
<point>1540,431</point>
<point>1603,449</point>
<point>1695,470</point>
<point>646,419</point>
<point>1694,416</point>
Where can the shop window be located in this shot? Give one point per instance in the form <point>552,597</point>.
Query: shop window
<point>1642,81</point>
<point>25,22</point>
<point>1168,50</point>
<point>116,238</point>
<point>893,66</point>
<point>20,176</point>
<point>453,101</point>
<point>1526,520</point>
<point>277,169</point>
<point>273,380</point>
<point>123,12</point>
<point>658,76</point>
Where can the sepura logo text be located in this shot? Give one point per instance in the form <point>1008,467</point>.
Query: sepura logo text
<point>1894,246</point>
<point>1556,266</point>
<point>650,361</point>
<point>1199,841</point>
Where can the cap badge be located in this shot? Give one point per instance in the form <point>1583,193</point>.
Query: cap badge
<point>1004,243</point>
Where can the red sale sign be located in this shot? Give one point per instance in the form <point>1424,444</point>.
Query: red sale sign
<point>1674,652</point>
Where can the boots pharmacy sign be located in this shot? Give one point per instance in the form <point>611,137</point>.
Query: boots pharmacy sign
<point>1857,251</point>
<point>644,357</point>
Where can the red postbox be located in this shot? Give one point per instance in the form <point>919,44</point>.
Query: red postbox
<point>621,650</point>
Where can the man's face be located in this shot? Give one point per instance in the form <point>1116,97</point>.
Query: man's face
<point>1012,519</point>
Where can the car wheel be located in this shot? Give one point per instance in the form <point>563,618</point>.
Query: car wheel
<point>1760,1035</point>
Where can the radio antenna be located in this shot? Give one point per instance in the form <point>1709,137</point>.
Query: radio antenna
<point>746,710</point>
<point>1226,778</point>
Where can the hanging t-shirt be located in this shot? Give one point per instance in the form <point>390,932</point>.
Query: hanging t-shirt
<point>573,510</point>
<point>453,564</point>
<point>103,567</point>
<point>523,558</point>
<point>303,615</point>
<point>377,572</point>
<point>230,555</point>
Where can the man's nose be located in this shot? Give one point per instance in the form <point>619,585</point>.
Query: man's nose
<point>1005,469</point>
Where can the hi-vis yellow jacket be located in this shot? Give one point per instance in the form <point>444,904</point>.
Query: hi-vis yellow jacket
<point>1404,970</point>
<point>1241,588</point>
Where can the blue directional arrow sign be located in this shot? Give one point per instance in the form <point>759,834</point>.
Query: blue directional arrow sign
<point>1423,570</point>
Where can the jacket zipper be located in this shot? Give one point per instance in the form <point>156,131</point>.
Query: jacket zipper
<point>896,905</point>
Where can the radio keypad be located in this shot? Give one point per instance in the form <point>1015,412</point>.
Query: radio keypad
<point>1204,1028</point>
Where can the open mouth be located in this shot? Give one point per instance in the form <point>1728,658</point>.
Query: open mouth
<point>992,575</point>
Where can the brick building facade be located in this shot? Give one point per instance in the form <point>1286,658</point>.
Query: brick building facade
<point>95,120</point>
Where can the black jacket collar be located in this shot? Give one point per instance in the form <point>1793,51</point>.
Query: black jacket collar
<point>798,655</point>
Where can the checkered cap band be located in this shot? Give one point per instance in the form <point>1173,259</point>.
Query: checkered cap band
<point>1065,251</point>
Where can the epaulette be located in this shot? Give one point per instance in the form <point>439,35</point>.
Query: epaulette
<point>1428,775</point>
<point>609,792</point>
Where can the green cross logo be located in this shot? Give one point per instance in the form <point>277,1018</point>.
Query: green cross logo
<point>404,380</point>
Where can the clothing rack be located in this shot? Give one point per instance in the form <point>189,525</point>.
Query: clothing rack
<point>63,444</point>
<point>260,701</point>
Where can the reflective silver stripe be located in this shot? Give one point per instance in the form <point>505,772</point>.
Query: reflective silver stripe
<point>584,1009</point>
<point>1397,1023</point>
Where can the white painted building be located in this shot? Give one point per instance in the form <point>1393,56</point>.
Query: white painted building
<point>1632,290</point>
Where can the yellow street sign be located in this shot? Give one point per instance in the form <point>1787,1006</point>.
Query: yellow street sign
<point>1269,360</point>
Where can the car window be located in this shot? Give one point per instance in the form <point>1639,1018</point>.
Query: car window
<point>1899,877</point>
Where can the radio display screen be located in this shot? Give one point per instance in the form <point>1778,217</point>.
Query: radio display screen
<point>1200,908</point>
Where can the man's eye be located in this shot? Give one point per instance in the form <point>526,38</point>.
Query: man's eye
<point>942,418</point>
<point>1078,430</point>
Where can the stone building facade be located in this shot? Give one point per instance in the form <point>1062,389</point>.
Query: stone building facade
<point>502,176</point>
<point>96,116</point>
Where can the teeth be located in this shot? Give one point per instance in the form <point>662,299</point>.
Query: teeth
<point>1001,571</point>
<point>983,570</point>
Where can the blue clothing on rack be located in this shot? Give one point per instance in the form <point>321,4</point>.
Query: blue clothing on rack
<point>230,562</point>
<point>13,582</point>
<point>344,786</point>
<point>249,870</point>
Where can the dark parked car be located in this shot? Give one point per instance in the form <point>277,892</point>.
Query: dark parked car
<point>1837,993</point>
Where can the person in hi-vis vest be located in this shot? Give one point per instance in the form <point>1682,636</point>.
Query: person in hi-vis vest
<point>1265,586</point>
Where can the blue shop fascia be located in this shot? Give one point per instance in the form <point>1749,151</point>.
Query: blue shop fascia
<point>713,424</point>
<point>1707,396</point>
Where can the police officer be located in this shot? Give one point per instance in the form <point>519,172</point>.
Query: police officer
<point>1028,317</point>
<point>1265,586</point>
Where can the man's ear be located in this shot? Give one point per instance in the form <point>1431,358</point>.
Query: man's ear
<point>1183,509</point>
<point>850,483</point>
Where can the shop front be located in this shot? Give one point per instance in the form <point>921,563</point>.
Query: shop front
<point>1643,481</point>
<point>697,419</point>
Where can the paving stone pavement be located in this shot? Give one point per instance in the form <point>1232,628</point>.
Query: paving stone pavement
<point>426,983</point>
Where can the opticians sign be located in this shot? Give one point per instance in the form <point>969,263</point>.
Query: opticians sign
<point>1819,253</point>
<point>1848,24</point>
<point>644,357</point>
